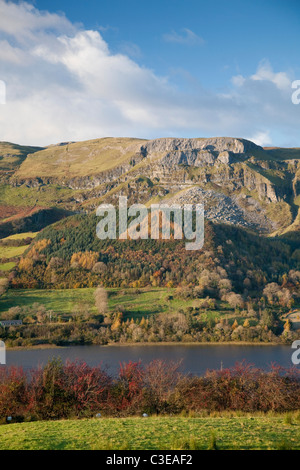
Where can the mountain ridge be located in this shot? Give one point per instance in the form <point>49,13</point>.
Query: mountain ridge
<point>240,182</point>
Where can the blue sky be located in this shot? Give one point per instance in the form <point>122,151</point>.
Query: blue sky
<point>79,70</point>
<point>236,34</point>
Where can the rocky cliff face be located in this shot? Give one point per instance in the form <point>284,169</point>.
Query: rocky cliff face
<point>215,144</point>
<point>162,158</point>
<point>197,152</point>
<point>236,179</point>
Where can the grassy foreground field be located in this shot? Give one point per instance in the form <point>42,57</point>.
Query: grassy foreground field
<point>176,433</point>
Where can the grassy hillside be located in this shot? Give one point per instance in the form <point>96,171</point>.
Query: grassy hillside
<point>12,251</point>
<point>79,159</point>
<point>12,155</point>
<point>20,236</point>
<point>30,220</point>
<point>220,432</point>
<point>5,267</point>
<point>278,153</point>
<point>22,196</point>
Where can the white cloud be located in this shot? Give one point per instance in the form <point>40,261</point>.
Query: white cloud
<point>23,21</point>
<point>186,37</point>
<point>64,83</point>
<point>265,72</point>
<point>261,138</point>
<point>238,80</point>
<point>12,54</point>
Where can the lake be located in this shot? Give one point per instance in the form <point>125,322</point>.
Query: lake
<point>196,359</point>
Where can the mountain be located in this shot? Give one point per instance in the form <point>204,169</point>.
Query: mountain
<point>240,183</point>
<point>240,286</point>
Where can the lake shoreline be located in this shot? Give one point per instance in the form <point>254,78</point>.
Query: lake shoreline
<point>166,344</point>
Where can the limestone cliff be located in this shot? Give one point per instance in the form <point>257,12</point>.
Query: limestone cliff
<point>222,171</point>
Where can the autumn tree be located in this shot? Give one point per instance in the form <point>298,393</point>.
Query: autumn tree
<point>101,300</point>
<point>234,300</point>
<point>3,286</point>
<point>85,260</point>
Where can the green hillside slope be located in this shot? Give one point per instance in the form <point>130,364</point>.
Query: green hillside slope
<point>79,158</point>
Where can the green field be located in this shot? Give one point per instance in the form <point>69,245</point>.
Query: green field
<point>60,301</point>
<point>7,266</point>
<point>12,251</point>
<point>8,252</point>
<point>21,236</point>
<point>163,433</point>
<point>22,196</point>
<point>64,301</point>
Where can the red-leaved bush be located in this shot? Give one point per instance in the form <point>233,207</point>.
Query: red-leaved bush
<point>243,387</point>
<point>13,392</point>
<point>75,389</point>
<point>71,390</point>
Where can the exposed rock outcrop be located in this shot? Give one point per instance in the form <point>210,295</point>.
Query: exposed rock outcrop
<point>224,169</point>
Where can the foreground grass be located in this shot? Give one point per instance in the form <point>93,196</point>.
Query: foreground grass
<point>176,433</point>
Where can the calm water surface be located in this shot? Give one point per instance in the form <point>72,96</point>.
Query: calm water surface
<point>195,358</point>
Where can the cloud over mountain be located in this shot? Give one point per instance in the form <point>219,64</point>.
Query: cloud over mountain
<point>64,83</point>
